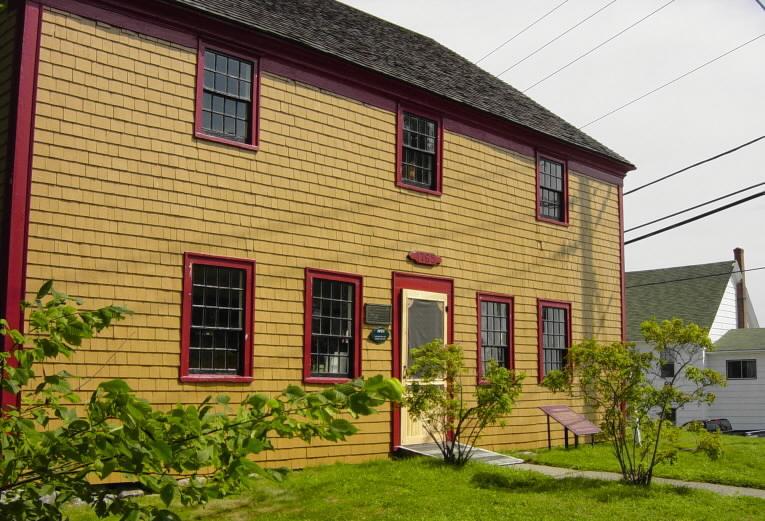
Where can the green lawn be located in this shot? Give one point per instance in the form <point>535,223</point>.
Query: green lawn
<point>742,462</point>
<point>421,489</point>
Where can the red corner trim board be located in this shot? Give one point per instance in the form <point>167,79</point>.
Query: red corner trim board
<point>21,168</point>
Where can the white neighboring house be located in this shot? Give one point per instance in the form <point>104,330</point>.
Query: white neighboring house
<point>713,295</point>
<point>740,356</point>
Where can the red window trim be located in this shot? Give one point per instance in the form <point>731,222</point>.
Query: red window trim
<point>189,259</point>
<point>540,353</point>
<point>199,133</point>
<point>358,295</point>
<point>538,157</point>
<point>400,143</point>
<point>484,296</point>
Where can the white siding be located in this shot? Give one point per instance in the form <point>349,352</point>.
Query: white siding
<point>725,319</point>
<point>689,412</point>
<point>742,401</point>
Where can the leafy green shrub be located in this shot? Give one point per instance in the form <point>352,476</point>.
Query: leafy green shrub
<point>53,446</point>
<point>436,398</point>
<point>615,378</point>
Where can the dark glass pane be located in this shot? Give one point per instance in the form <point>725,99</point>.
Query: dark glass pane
<point>245,90</point>
<point>209,60</point>
<point>241,129</point>
<point>209,79</point>
<point>245,71</point>
<point>242,110</point>
<point>221,63</point>
<point>219,103</point>
<point>220,82</point>
<point>230,127</point>
<point>217,123</point>
<point>233,67</point>
<point>232,86</point>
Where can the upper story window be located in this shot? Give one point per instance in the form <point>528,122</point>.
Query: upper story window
<point>741,369</point>
<point>419,153</point>
<point>495,333</point>
<point>226,97</point>
<point>217,318</point>
<point>554,335</point>
<point>552,190</point>
<point>332,326</point>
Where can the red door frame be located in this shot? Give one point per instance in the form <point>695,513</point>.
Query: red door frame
<point>413,281</point>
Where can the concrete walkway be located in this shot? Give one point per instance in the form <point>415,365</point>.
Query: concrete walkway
<point>559,473</point>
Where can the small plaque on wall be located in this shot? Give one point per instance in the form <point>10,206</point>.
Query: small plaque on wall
<point>377,314</point>
<point>379,335</point>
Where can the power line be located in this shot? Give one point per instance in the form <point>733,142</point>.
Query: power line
<point>597,46</point>
<point>693,208</point>
<point>617,109</point>
<point>694,165</point>
<point>696,218</point>
<point>760,4</point>
<point>692,278</point>
<point>561,35</point>
<point>516,35</point>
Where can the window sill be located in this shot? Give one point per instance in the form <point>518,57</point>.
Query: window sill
<point>420,189</point>
<point>216,139</point>
<point>552,221</point>
<point>215,378</point>
<point>326,380</point>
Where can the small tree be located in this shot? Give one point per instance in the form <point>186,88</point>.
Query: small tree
<point>52,448</point>
<point>620,381</point>
<point>437,399</point>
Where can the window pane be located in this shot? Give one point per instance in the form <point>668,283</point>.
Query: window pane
<point>332,328</point>
<point>227,93</point>
<point>551,190</point>
<point>217,330</point>
<point>419,152</point>
<point>494,341</point>
<point>554,337</point>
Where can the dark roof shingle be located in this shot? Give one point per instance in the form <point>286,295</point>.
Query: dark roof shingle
<point>742,339</point>
<point>348,33</point>
<point>692,293</point>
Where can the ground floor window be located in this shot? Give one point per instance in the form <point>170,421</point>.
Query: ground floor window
<point>741,369</point>
<point>217,317</point>
<point>333,327</point>
<point>554,335</point>
<point>495,331</point>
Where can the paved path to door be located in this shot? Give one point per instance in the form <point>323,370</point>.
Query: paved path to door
<point>484,456</point>
<point>559,473</point>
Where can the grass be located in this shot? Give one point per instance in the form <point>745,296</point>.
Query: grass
<point>742,463</point>
<point>424,489</point>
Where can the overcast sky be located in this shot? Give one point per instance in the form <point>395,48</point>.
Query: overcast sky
<point>712,110</point>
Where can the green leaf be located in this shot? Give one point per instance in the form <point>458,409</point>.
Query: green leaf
<point>44,289</point>
<point>167,493</point>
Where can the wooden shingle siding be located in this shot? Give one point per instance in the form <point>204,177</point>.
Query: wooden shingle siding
<point>121,189</point>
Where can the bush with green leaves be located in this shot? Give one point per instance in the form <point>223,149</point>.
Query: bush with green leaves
<point>436,398</point>
<point>619,380</point>
<point>53,447</point>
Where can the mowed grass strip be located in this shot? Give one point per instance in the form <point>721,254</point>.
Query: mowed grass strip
<point>741,464</point>
<point>423,489</point>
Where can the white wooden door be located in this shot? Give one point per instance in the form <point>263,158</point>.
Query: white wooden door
<point>423,319</point>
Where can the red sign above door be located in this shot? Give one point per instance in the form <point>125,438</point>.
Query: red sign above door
<point>425,258</point>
